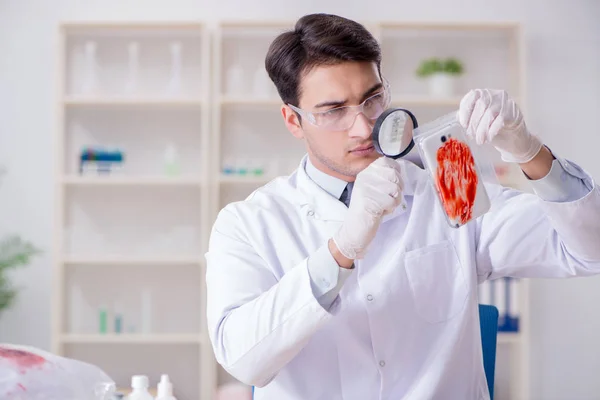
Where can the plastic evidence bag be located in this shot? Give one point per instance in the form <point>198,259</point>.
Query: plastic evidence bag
<point>462,175</point>
<point>28,373</point>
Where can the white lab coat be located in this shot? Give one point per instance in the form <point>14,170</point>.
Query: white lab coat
<point>405,323</point>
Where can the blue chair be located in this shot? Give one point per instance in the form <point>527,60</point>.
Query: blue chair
<point>488,324</point>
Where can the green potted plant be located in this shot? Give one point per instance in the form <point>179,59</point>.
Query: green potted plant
<point>15,252</point>
<point>441,75</point>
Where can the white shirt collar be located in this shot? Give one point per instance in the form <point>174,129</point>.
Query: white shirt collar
<point>332,185</point>
<point>412,174</point>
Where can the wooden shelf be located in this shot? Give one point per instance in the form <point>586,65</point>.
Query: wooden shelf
<point>126,260</point>
<point>129,338</point>
<point>117,101</point>
<point>116,180</point>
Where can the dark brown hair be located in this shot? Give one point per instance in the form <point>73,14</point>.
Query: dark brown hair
<point>317,39</point>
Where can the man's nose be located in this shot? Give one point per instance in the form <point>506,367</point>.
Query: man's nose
<point>362,127</point>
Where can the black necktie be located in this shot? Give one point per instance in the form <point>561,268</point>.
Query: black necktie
<point>347,194</point>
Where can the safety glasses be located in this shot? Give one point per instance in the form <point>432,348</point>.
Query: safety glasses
<point>342,118</point>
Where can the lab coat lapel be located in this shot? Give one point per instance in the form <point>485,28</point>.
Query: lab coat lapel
<point>321,205</point>
<point>318,203</point>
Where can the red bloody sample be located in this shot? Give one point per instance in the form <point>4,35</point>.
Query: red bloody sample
<point>21,359</point>
<point>456,179</point>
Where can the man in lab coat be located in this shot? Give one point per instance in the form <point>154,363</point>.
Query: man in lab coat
<point>344,280</point>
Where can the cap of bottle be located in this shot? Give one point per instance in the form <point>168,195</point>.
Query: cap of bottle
<point>139,382</point>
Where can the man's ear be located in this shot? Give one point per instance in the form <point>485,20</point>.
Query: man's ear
<point>292,122</point>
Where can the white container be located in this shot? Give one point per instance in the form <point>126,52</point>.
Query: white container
<point>174,86</point>
<point>90,77</point>
<point>442,85</point>
<point>133,52</point>
<point>139,384</point>
<point>165,389</point>
<point>171,160</point>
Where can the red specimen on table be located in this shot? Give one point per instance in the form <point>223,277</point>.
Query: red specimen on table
<point>21,359</point>
<point>456,179</point>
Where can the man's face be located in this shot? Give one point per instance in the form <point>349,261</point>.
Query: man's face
<point>339,153</point>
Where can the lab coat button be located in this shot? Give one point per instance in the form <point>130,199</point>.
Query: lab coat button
<point>369,297</point>
<point>311,213</point>
<point>382,363</point>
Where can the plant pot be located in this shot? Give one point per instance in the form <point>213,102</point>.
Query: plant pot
<point>442,85</point>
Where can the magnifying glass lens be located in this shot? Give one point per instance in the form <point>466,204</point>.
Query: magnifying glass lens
<point>393,133</point>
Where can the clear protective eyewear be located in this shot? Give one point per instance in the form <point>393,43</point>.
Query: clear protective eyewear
<point>342,118</point>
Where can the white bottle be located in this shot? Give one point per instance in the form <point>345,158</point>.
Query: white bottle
<point>132,74</point>
<point>172,166</point>
<point>165,389</point>
<point>90,78</point>
<point>174,86</point>
<point>139,384</point>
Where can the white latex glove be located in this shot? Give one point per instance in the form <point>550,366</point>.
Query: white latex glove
<point>377,191</point>
<point>491,116</point>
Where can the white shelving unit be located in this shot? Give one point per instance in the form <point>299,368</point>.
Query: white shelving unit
<point>248,133</point>
<point>118,233</point>
<point>132,242</point>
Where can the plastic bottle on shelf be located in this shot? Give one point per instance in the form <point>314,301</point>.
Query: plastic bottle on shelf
<point>172,166</point>
<point>103,319</point>
<point>174,86</point>
<point>257,168</point>
<point>90,78</point>
<point>133,66</point>
<point>139,384</point>
<point>118,315</point>
<point>243,167</point>
<point>165,389</point>
<point>228,167</point>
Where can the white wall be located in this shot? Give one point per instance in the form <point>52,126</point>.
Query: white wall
<point>564,101</point>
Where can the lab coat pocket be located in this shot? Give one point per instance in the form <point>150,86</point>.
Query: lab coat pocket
<point>437,282</point>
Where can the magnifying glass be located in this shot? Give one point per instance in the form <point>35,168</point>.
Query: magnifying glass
<point>393,133</point>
